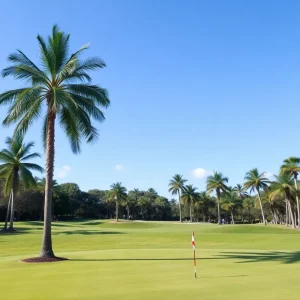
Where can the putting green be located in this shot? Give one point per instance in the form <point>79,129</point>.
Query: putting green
<point>152,261</point>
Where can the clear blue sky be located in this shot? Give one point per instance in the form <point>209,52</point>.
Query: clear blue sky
<point>193,84</point>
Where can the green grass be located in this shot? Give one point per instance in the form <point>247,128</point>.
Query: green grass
<point>147,260</point>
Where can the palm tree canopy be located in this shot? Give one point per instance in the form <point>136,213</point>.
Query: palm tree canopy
<point>14,159</point>
<point>248,203</point>
<point>231,199</point>
<point>63,83</point>
<point>117,192</point>
<point>177,184</point>
<point>255,181</point>
<point>216,182</point>
<point>189,194</point>
<point>240,190</point>
<point>283,186</point>
<point>291,165</point>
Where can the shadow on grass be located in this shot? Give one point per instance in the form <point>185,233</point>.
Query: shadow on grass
<point>131,259</point>
<point>255,257</point>
<point>87,232</point>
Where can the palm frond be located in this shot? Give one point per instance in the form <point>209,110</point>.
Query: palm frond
<point>31,156</point>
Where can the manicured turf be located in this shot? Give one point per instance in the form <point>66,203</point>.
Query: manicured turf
<point>144,260</point>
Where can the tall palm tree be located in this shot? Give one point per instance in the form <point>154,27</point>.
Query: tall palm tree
<point>256,181</point>
<point>190,196</point>
<point>284,186</point>
<point>15,168</point>
<point>291,166</point>
<point>217,182</point>
<point>62,89</point>
<point>117,194</point>
<point>176,186</point>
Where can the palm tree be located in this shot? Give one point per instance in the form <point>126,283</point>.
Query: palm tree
<point>239,189</point>
<point>283,186</point>
<point>256,181</point>
<point>176,186</point>
<point>190,196</point>
<point>230,202</point>
<point>117,194</point>
<point>248,203</point>
<point>291,166</point>
<point>15,169</point>
<point>63,87</point>
<point>217,182</point>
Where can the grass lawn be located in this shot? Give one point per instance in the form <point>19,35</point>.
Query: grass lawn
<point>147,260</point>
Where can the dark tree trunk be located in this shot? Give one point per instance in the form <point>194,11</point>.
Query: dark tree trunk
<point>46,250</point>
<point>7,213</point>
<point>191,214</point>
<point>218,205</point>
<point>297,200</point>
<point>117,211</point>
<point>249,213</point>
<point>179,203</point>
<point>12,203</point>
<point>127,212</point>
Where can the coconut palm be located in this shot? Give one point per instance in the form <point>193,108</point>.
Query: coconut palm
<point>248,203</point>
<point>240,191</point>
<point>217,182</point>
<point>176,186</point>
<point>283,186</point>
<point>231,201</point>
<point>256,181</point>
<point>291,166</point>
<point>62,92</point>
<point>117,194</point>
<point>15,169</point>
<point>190,196</point>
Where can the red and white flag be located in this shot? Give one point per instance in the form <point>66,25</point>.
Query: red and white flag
<point>193,241</point>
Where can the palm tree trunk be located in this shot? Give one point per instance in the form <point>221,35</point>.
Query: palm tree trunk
<point>291,214</point>
<point>218,205</point>
<point>286,213</point>
<point>7,213</point>
<point>191,215</point>
<point>127,212</point>
<point>249,215</point>
<point>232,219</point>
<point>46,250</point>
<point>117,211</point>
<point>297,200</point>
<point>12,212</point>
<point>179,202</point>
<point>261,208</point>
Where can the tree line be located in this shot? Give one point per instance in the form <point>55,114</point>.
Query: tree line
<point>60,91</point>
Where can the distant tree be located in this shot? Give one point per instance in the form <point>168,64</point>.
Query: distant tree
<point>291,166</point>
<point>176,186</point>
<point>190,196</point>
<point>217,182</point>
<point>117,194</point>
<point>240,191</point>
<point>231,201</point>
<point>256,181</point>
<point>248,204</point>
<point>284,186</point>
<point>14,169</point>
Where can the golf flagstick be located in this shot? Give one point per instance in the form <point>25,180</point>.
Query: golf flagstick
<point>194,248</point>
